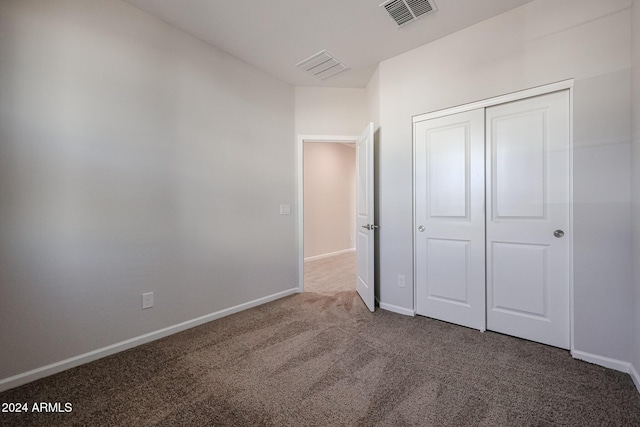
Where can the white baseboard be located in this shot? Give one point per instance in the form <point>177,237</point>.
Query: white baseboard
<point>635,376</point>
<point>607,362</point>
<point>397,309</point>
<point>330,254</point>
<point>63,365</point>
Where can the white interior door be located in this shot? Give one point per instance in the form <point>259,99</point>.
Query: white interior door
<point>449,218</point>
<point>527,191</point>
<point>365,220</point>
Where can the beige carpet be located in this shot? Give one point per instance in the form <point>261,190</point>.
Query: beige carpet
<point>330,275</point>
<point>318,360</point>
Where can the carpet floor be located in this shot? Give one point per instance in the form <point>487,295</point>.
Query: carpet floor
<point>322,360</point>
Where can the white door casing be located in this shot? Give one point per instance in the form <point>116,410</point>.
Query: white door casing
<point>449,218</point>
<point>365,219</point>
<point>528,200</point>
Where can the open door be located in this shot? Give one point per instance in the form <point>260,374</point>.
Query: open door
<point>365,220</point>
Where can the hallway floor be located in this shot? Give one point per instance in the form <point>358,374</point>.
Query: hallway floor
<point>330,275</point>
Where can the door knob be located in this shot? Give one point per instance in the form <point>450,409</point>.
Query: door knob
<point>370,226</point>
<point>421,228</point>
<point>558,233</point>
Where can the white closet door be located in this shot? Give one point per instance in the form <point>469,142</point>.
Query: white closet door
<point>527,191</point>
<point>449,235</point>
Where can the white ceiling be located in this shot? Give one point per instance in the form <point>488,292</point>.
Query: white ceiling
<point>275,35</point>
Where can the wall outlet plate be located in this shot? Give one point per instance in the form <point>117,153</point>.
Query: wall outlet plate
<point>401,281</point>
<point>147,300</point>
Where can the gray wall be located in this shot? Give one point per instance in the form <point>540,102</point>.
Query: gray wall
<point>330,111</point>
<point>133,158</point>
<point>636,181</point>
<point>542,42</point>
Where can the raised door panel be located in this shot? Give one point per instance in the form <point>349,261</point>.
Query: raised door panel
<point>448,271</point>
<point>362,259</point>
<point>520,279</point>
<point>519,158</point>
<point>448,171</point>
<point>362,156</point>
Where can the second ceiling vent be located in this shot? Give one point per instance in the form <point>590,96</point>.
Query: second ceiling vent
<point>405,11</point>
<point>322,65</point>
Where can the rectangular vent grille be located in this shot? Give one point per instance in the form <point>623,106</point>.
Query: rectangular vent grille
<point>405,11</point>
<point>322,65</point>
<point>419,7</point>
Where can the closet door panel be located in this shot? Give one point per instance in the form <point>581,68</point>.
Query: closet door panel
<point>527,191</point>
<point>449,233</point>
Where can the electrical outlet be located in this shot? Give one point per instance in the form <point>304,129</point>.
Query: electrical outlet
<point>401,280</point>
<point>147,300</point>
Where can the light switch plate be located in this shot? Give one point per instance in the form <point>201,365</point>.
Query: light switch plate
<point>285,209</point>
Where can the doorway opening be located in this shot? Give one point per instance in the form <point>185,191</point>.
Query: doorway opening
<point>327,210</point>
<point>365,227</point>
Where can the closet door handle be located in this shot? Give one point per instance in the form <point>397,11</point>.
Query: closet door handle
<point>558,233</point>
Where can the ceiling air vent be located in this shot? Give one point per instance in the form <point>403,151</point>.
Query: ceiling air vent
<point>405,11</point>
<point>322,65</point>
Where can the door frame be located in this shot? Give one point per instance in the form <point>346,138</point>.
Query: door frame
<point>299,230</point>
<point>503,99</point>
